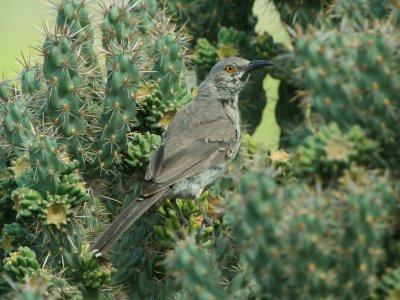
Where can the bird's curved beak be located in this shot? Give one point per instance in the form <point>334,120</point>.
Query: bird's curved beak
<point>256,64</point>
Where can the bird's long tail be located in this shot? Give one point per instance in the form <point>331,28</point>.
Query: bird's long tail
<point>125,219</point>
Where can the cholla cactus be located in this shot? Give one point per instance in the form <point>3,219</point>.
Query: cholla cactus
<point>140,148</point>
<point>22,263</point>
<point>209,15</point>
<point>317,220</point>
<point>67,126</point>
<point>329,152</point>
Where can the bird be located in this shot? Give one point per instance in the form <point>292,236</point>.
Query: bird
<point>195,150</point>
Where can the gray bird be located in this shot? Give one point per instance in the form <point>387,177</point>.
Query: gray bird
<point>200,142</point>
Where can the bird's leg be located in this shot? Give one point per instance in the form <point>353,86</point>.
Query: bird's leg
<point>209,221</point>
<point>181,217</point>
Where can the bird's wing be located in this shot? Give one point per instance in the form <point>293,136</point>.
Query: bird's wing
<point>191,144</point>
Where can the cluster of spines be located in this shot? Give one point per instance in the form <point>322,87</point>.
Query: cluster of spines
<point>73,15</point>
<point>117,29</point>
<point>146,12</point>
<point>32,80</point>
<point>7,90</point>
<point>18,127</point>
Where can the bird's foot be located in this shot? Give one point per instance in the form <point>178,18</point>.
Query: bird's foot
<point>209,221</point>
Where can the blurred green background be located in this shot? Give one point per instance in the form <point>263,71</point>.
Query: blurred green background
<point>18,32</point>
<point>268,131</point>
<point>21,22</point>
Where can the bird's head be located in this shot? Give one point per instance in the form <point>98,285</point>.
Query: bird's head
<point>230,75</point>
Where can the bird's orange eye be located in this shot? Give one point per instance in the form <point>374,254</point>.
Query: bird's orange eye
<point>230,69</point>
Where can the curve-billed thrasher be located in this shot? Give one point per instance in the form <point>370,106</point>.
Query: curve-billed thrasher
<point>201,140</point>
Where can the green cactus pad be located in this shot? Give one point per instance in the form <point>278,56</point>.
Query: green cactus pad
<point>21,264</point>
<point>7,90</point>
<point>18,127</point>
<point>45,164</point>
<point>140,149</point>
